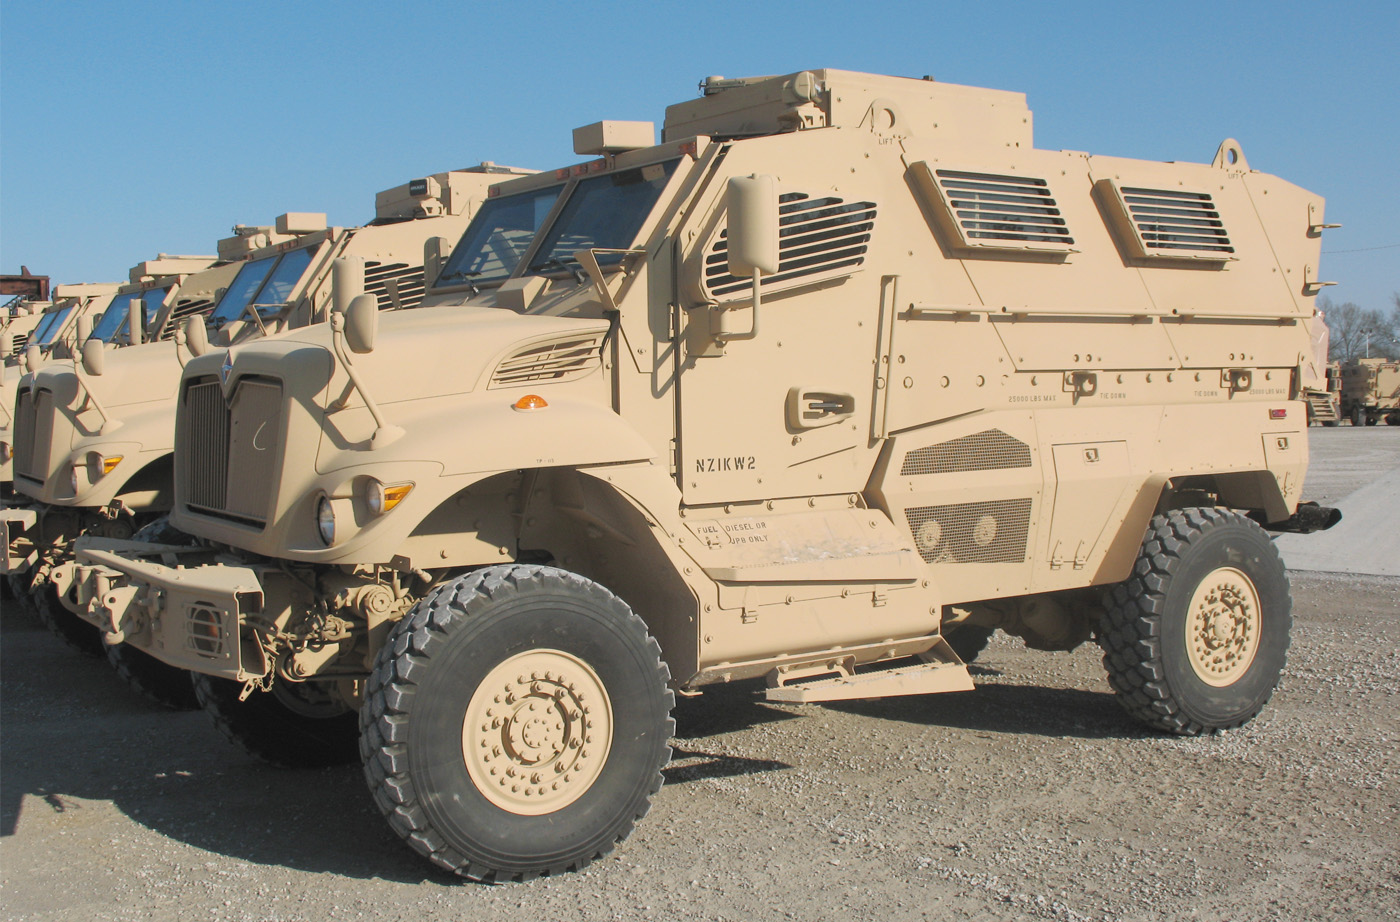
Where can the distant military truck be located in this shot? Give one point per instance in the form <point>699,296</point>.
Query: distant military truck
<point>842,368</point>
<point>1371,391</point>
<point>93,442</point>
<point>53,331</point>
<point>18,318</point>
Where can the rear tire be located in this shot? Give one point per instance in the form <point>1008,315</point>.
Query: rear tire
<point>516,723</point>
<point>296,725</point>
<point>1196,638</point>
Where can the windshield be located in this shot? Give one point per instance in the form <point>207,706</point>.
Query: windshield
<point>240,294</point>
<point>113,318</point>
<point>284,278</point>
<point>154,300</point>
<point>50,325</point>
<point>603,212</point>
<point>498,237</point>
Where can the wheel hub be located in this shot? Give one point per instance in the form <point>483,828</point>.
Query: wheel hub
<point>537,732</point>
<point>1222,629</point>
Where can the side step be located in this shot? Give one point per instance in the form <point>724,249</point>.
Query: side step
<point>938,671</point>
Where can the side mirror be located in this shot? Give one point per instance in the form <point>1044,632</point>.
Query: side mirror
<point>84,329</point>
<point>347,282</point>
<point>435,253</point>
<point>94,357</point>
<point>753,226</point>
<point>196,335</point>
<point>32,357</point>
<point>361,324</point>
<point>135,321</point>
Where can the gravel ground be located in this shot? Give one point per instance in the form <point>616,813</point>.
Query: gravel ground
<point>1033,797</point>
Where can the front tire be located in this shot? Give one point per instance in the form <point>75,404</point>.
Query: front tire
<point>516,723</point>
<point>295,725</point>
<point>66,626</point>
<point>1196,638</point>
<point>160,682</point>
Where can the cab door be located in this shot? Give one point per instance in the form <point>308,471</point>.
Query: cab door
<point>777,401</point>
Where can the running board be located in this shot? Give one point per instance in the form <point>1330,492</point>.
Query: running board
<point>921,678</point>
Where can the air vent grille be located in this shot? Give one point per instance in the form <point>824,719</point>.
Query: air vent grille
<point>990,450</point>
<point>186,307</point>
<point>990,208</point>
<point>816,236</point>
<point>552,362</point>
<point>988,532</point>
<point>1176,222</point>
<point>410,281</point>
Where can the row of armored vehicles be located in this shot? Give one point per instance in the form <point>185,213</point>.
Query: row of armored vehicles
<point>837,379</point>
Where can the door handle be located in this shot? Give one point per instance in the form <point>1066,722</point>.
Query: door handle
<point>812,408</point>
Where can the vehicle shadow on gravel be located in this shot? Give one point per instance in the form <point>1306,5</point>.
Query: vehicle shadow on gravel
<point>1004,708</point>
<point>74,738</point>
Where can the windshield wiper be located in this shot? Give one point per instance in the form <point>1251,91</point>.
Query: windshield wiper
<point>575,270</point>
<point>459,274</point>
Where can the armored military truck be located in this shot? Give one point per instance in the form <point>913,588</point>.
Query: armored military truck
<point>1370,391</point>
<point>94,438</point>
<point>840,368</point>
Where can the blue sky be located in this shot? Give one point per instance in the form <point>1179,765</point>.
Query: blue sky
<point>137,127</point>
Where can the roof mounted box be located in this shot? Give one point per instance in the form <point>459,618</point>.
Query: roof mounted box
<point>613,137</point>
<point>300,222</point>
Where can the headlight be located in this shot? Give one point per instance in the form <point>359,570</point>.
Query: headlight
<point>380,499</point>
<point>325,520</point>
<point>73,478</point>
<point>4,452</point>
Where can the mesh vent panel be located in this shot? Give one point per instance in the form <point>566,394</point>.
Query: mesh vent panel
<point>563,360</point>
<point>991,532</point>
<point>1017,209</point>
<point>187,307</point>
<point>991,450</point>
<point>815,235</point>
<point>410,280</point>
<point>1172,220</point>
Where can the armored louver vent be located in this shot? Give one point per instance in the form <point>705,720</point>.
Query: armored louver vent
<point>187,307</point>
<point>816,236</point>
<point>990,532</point>
<point>990,209</point>
<point>21,342</point>
<point>990,450</point>
<point>1175,223</point>
<point>410,282</point>
<point>557,361</point>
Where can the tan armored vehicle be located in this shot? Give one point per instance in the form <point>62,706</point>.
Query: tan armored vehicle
<point>53,330</point>
<point>1370,391</point>
<point>94,440</point>
<point>842,369</point>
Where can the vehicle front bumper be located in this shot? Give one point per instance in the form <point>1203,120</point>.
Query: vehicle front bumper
<point>16,530</point>
<point>191,617</point>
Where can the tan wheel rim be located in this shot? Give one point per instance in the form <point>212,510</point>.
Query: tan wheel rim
<point>1222,627</point>
<point>537,732</point>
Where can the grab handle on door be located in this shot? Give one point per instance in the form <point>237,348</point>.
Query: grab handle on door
<point>812,408</point>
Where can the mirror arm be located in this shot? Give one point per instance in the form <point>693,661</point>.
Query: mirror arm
<point>180,350</point>
<point>752,332</point>
<point>109,424</point>
<point>384,434</point>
